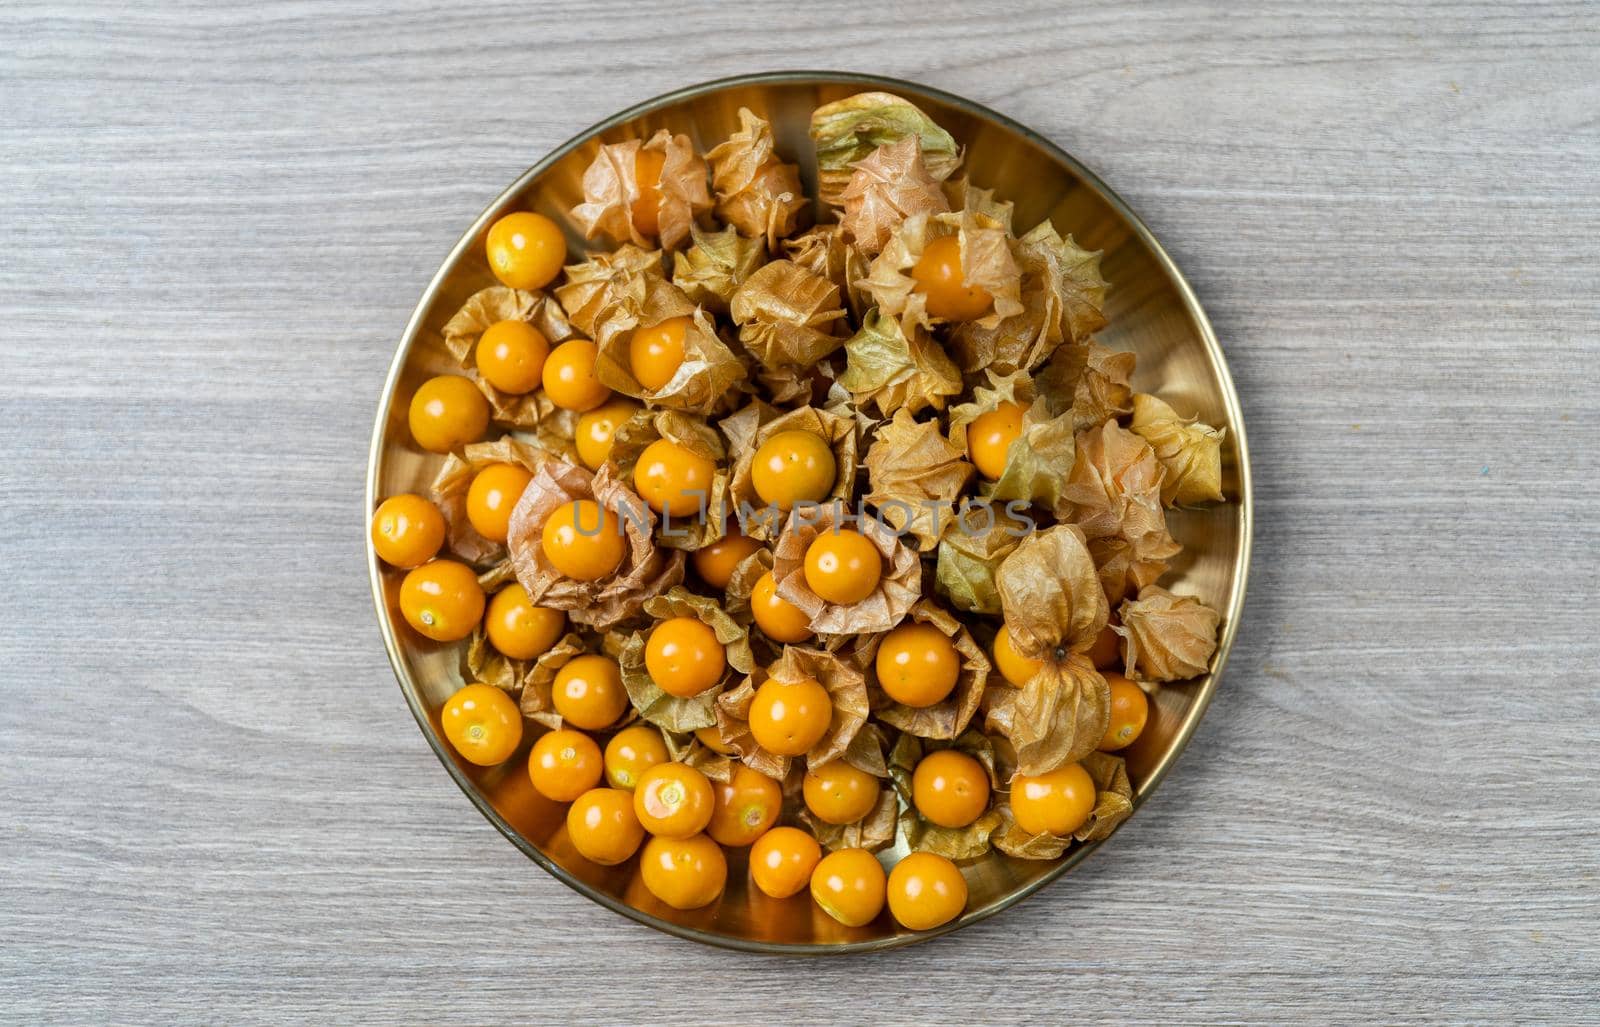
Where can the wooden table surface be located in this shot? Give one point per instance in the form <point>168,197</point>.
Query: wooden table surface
<point>215,219</point>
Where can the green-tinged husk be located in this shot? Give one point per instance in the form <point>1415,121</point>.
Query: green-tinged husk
<point>847,131</point>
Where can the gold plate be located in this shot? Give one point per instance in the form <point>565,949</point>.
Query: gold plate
<point>1152,312</point>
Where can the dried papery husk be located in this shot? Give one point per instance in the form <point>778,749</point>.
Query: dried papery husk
<point>756,192</point>
<point>1167,637</point>
<point>610,189</point>
<point>922,835</point>
<point>846,687</point>
<point>1103,391</point>
<point>757,519</point>
<point>889,185</point>
<point>961,194</point>
<point>1058,716</point>
<point>691,752</point>
<point>827,251</point>
<point>740,427</point>
<point>602,281</point>
<point>1115,490</point>
<point>1016,387</point>
<point>488,307</point>
<point>742,585</point>
<point>1122,572</point>
<point>894,369</point>
<point>451,484</point>
<point>949,717</point>
<point>789,386</point>
<point>1054,609</point>
<point>897,591</point>
<point>1036,461</point>
<point>872,832</point>
<point>841,403</point>
<point>646,570</point>
<point>709,369</point>
<point>693,434</point>
<point>1190,452</point>
<point>915,476</point>
<point>482,662</point>
<point>986,262</point>
<point>971,552</point>
<point>557,430</point>
<point>497,576</point>
<point>787,315</point>
<point>716,265</point>
<point>1063,299</point>
<point>1113,804</point>
<point>535,698</point>
<point>1050,595</point>
<point>848,130</point>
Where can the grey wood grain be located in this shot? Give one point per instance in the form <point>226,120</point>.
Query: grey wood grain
<point>215,219</point>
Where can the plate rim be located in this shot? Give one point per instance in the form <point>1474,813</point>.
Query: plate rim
<point>1191,303</point>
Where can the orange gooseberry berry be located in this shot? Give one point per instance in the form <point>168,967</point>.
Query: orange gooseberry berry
<point>655,353</point>
<point>939,277</point>
<point>1058,802</point>
<point>711,738</point>
<point>407,531</point>
<point>588,692</point>
<point>850,886</point>
<point>482,723</point>
<point>843,566</point>
<point>446,412</point>
<point>685,873</point>
<point>492,496</point>
<point>525,250</point>
<point>683,656</point>
<point>602,826</point>
<point>646,210</point>
<point>564,764</point>
<point>715,563</point>
<point>746,805</point>
<point>793,467</point>
<point>789,717</point>
<point>1107,648</point>
<point>1013,666</point>
<point>597,427</point>
<point>917,664</point>
<point>926,890</point>
<point>631,752</point>
<point>569,377</point>
<point>673,800</point>
<point>781,861</point>
<point>442,600</point>
<point>838,793</point>
<point>519,629</point>
<point>950,788</point>
<point>510,356</point>
<point>673,479</point>
<point>583,540</point>
<point>1129,711</point>
<point>780,619</point>
<point>989,438</point>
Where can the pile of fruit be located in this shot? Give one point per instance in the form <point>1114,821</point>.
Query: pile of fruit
<point>822,528</point>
